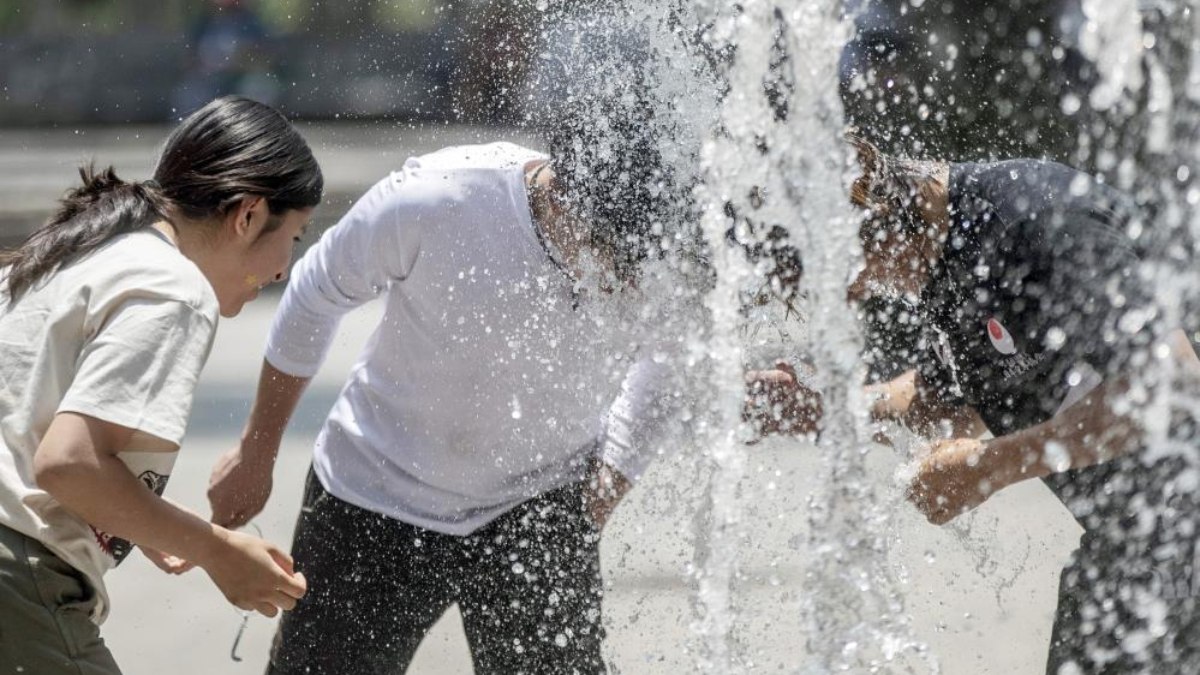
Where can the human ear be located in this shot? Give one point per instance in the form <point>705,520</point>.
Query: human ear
<point>248,216</point>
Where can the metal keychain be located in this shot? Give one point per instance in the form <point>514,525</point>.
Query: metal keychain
<point>237,639</point>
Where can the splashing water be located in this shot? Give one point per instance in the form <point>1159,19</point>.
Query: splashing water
<point>780,157</point>
<point>762,122</point>
<point>850,607</point>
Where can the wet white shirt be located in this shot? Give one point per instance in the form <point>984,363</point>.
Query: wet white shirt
<point>121,335</point>
<point>484,385</point>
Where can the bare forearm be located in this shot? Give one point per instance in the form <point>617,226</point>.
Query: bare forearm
<point>943,421</point>
<point>274,403</point>
<point>101,491</point>
<point>905,400</point>
<point>891,400</point>
<point>1087,433</point>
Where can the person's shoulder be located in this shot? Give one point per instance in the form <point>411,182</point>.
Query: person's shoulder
<point>1026,190</point>
<point>143,265</point>
<point>1011,175</point>
<point>452,177</point>
<point>499,155</point>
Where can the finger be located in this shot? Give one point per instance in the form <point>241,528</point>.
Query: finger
<point>282,559</point>
<point>291,586</point>
<point>294,585</point>
<point>787,368</point>
<point>915,492</point>
<point>232,520</point>
<point>228,518</point>
<point>942,516</point>
<point>266,609</point>
<point>283,601</point>
<point>157,559</point>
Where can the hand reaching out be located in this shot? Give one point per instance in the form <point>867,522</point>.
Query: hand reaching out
<point>777,403</point>
<point>254,574</point>
<point>240,485</point>
<point>956,476</point>
<point>605,489</point>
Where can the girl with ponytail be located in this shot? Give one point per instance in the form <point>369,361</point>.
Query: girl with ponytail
<point>107,315</point>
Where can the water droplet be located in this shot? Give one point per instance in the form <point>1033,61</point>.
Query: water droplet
<point>1057,457</point>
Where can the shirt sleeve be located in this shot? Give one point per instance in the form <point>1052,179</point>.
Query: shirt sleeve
<point>638,421</point>
<point>353,263</point>
<point>140,368</point>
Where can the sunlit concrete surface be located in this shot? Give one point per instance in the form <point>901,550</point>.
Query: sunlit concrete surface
<point>980,593</point>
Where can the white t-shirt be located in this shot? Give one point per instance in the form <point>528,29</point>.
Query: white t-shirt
<point>483,385</point>
<point>120,335</point>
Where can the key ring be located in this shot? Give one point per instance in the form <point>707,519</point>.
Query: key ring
<point>237,639</point>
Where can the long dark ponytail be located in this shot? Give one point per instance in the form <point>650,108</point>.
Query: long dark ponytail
<point>229,149</point>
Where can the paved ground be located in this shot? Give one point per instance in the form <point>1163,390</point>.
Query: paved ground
<point>979,593</point>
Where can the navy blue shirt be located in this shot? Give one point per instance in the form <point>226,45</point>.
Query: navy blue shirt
<point>1037,290</point>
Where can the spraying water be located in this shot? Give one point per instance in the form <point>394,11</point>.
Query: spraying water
<point>755,125</point>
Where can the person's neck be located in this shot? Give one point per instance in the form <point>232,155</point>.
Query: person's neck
<point>186,236</point>
<point>935,214</point>
<point>564,240</point>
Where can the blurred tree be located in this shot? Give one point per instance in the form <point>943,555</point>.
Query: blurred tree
<point>284,16</point>
<point>405,16</point>
<point>493,40</point>
<point>69,17</point>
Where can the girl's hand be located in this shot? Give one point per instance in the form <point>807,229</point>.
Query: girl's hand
<point>254,574</point>
<point>168,563</point>
<point>956,476</point>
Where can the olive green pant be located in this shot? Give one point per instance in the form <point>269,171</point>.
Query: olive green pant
<point>45,610</point>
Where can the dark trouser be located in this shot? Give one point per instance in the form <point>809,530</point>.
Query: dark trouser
<point>45,613</point>
<point>528,586</point>
<point>1129,599</point>
<point>1114,620</point>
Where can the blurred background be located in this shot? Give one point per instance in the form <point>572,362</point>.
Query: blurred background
<point>957,79</point>
<point>374,81</point>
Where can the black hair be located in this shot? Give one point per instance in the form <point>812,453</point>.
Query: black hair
<point>610,172</point>
<point>892,189</point>
<point>604,123</point>
<point>229,149</point>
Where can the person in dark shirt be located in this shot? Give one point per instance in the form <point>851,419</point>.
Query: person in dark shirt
<point>1037,325</point>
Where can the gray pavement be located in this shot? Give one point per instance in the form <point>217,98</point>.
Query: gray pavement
<point>980,593</point>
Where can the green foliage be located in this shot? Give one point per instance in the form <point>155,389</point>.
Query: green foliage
<point>11,18</point>
<point>284,16</point>
<point>404,16</point>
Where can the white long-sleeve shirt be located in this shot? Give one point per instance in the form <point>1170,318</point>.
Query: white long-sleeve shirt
<point>483,385</point>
